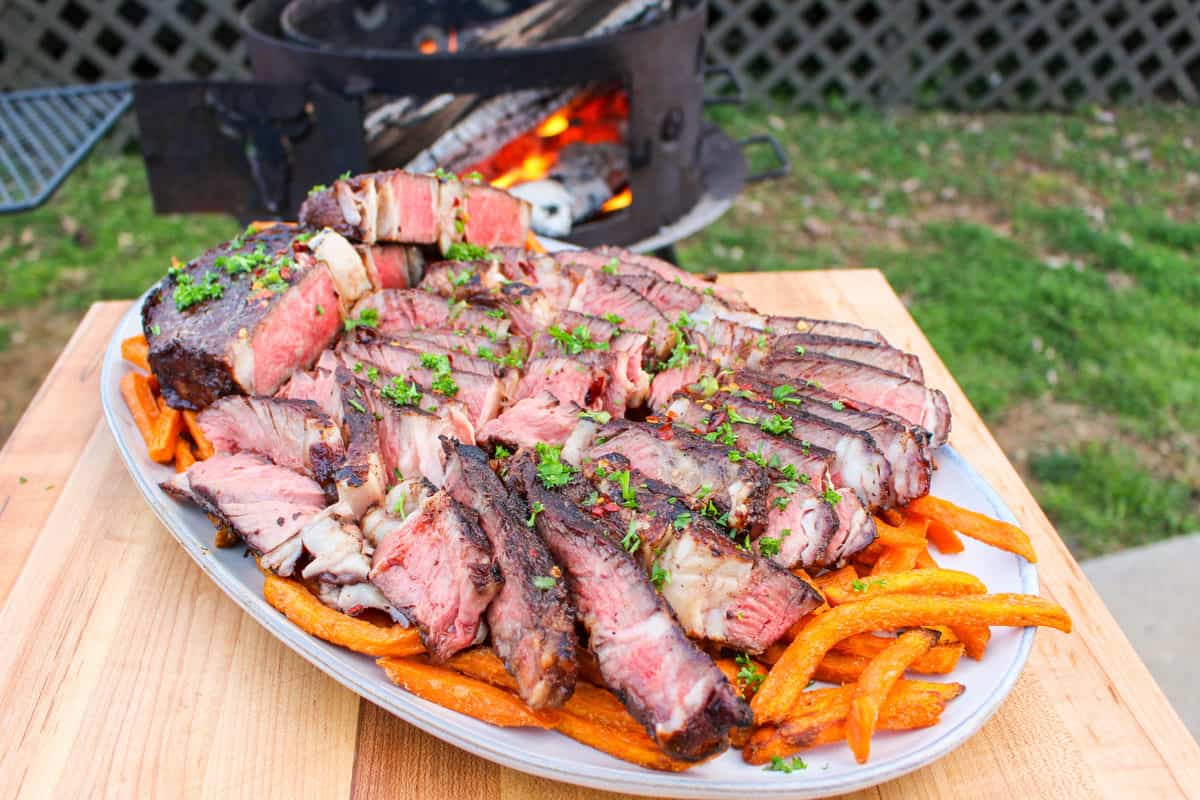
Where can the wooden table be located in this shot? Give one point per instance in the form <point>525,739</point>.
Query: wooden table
<point>127,673</point>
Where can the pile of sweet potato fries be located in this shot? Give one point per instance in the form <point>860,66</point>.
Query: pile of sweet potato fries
<point>893,586</point>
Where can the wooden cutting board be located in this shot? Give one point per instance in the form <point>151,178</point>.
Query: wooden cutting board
<point>124,672</point>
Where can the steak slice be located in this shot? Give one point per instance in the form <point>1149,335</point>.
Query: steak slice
<point>391,266</point>
<point>599,294</point>
<point>718,590</point>
<point>782,326</point>
<point>871,385</point>
<point>904,445</point>
<point>858,463</point>
<point>404,310</point>
<point>363,476</point>
<point>263,503</point>
<point>700,470</point>
<point>541,418</point>
<point>271,318</point>
<point>876,354</point>
<point>391,206</point>
<point>435,566</point>
<point>533,628</point>
<point>630,263</point>
<point>668,684</point>
<point>480,214</point>
<point>292,433</point>
<point>800,521</point>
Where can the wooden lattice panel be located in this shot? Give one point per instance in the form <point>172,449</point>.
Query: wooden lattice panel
<point>972,54</point>
<point>957,53</point>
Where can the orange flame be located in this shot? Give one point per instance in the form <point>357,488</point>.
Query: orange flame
<point>617,201</point>
<point>593,117</point>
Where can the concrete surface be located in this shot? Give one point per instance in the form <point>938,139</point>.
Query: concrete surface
<point>1154,593</point>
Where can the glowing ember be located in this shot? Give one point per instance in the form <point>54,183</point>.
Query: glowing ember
<point>592,118</point>
<point>428,46</point>
<point>618,201</point>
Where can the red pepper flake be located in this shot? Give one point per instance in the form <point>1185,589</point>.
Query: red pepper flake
<point>666,433</point>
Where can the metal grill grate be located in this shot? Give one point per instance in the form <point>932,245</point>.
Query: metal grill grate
<point>45,133</point>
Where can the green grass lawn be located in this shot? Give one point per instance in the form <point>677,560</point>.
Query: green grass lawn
<point>1054,261</point>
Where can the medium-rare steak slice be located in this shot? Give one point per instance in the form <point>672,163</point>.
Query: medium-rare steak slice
<point>238,320</point>
<point>263,503</point>
<point>362,478</point>
<point>718,589</point>
<point>669,685</point>
<point>701,470</point>
<point>801,519</point>
<point>781,326</point>
<point>879,355</point>
<point>533,626</point>
<point>292,433</point>
<point>904,445</point>
<point>391,266</point>
<point>541,418</point>
<point>435,565</point>
<point>600,294</point>
<point>391,206</point>
<point>673,380</point>
<point>404,310</point>
<point>480,214</point>
<point>878,387</point>
<point>858,463</point>
<point>630,263</point>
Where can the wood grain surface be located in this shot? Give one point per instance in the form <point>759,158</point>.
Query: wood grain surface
<point>125,673</point>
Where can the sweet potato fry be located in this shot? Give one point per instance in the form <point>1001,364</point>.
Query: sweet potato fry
<point>457,692</point>
<point>909,534</point>
<point>943,537</point>
<point>820,714</point>
<point>868,555</point>
<point>484,664</point>
<point>632,746</point>
<point>892,516</point>
<point>940,659</point>
<point>946,582</point>
<point>896,559</point>
<point>840,668</point>
<point>977,526</point>
<point>876,682</point>
<point>183,455</point>
<point>204,448</point>
<point>136,350</point>
<point>842,577</point>
<point>533,243</point>
<point>975,639</point>
<point>135,389</point>
<point>787,679</point>
<point>925,560</point>
<point>298,604</point>
<point>165,435</point>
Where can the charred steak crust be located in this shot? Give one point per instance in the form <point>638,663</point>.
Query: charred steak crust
<point>533,628</point>
<point>647,674</point>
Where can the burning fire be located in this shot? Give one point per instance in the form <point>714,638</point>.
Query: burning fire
<point>430,45</point>
<point>593,117</point>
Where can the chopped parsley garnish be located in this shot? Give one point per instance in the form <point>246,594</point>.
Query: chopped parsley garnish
<point>155,329</point>
<point>748,675</point>
<point>357,368</point>
<point>596,416</point>
<point>401,393</point>
<point>791,487</point>
<point>838,405</point>
<point>680,356</point>
<point>779,764</point>
<point>238,263</point>
<point>706,386</point>
<point>760,343</point>
<point>320,310</point>
<point>659,576</point>
<point>512,358</point>
<point>462,278</point>
<point>189,293</point>
<point>611,266</point>
<point>372,374</point>
<point>357,406</point>
<point>345,176</point>
<point>495,313</point>
<point>551,469</point>
<point>438,362</point>
<point>462,251</point>
<point>369,318</point>
<point>444,385</point>
<point>631,541</point>
<point>303,238</point>
<point>768,546</point>
<point>575,341</point>
<point>475,176</point>
<point>628,493</point>
<point>734,416</point>
<point>399,508</point>
<point>442,175</point>
<point>501,452</point>
<point>800,350</point>
<point>613,318</point>
<point>776,425</point>
<point>859,585</point>
<point>781,502</point>
<point>320,187</point>
<point>704,492</point>
<point>273,278</point>
<point>544,582</point>
<point>534,510</point>
<point>783,394</point>
<point>831,496</point>
<point>723,434</point>
<point>682,520</point>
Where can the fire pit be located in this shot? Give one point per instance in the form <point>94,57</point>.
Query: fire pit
<point>591,111</point>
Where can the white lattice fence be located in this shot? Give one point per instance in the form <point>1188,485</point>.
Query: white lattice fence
<point>956,53</point>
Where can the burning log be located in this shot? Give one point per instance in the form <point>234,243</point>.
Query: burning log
<point>584,179</point>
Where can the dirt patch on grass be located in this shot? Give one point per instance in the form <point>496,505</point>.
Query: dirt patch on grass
<point>1039,426</point>
<point>37,337</point>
